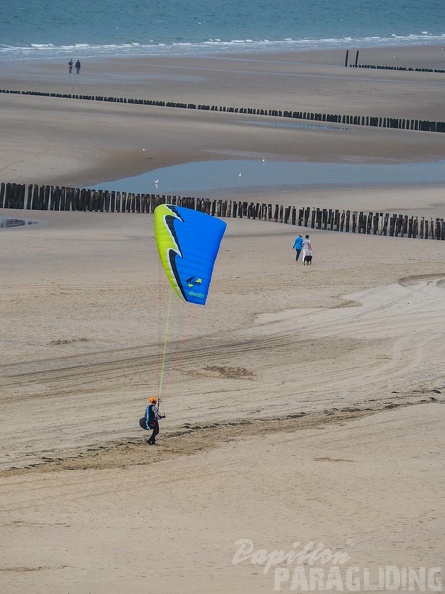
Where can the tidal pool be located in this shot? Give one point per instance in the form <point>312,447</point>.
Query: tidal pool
<point>214,175</point>
<point>6,223</point>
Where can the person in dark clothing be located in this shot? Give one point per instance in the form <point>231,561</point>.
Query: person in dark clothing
<point>151,420</point>
<point>77,66</point>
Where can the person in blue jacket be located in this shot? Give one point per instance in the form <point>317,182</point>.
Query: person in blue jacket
<point>151,420</point>
<point>298,246</point>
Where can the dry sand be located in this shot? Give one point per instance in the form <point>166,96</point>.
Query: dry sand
<point>304,404</point>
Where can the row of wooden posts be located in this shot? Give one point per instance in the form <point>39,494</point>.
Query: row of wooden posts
<point>34,197</point>
<point>401,68</point>
<point>373,66</point>
<point>356,120</point>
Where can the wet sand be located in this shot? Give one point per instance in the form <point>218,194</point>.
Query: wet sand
<point>65,141</point>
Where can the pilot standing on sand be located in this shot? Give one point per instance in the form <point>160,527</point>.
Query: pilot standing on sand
<point>151,420</point>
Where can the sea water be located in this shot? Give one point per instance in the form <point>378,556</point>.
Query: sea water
<point>45,29</point>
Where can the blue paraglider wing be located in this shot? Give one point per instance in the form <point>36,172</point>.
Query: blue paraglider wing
<point>188,242</point>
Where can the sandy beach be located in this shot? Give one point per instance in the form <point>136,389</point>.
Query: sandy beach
<point>303,404</point>
<point>106,141</point>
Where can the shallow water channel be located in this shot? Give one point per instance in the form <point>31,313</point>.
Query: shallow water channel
<point>214,175</point>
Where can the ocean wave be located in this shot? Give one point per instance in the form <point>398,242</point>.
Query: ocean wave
<point>208,46</point>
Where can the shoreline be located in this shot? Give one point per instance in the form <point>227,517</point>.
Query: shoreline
<point>222,49</point>
<point>412,55</point>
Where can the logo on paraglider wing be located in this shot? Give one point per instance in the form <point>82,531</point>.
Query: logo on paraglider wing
<point>193,281</point>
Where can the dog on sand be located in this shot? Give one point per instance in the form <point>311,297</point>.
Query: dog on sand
<point>307,260</point>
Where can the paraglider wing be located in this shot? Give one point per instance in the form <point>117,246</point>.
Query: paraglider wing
<point>188,242</point>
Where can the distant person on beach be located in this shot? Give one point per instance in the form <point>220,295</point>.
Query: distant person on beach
<point>77,67</point>
<point>298,246</point>
<point>70,66</point>
<point>306,248</point>
<point>151,420</point>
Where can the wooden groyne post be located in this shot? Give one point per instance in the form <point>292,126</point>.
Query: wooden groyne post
<point>60,198</point>
<point>350,119</point>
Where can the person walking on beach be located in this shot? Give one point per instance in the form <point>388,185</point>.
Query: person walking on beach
<point>70,66</point>
<point>306,248</point>
<point>151,420</point>
<point>298,245</point>
<point>77,66</point>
